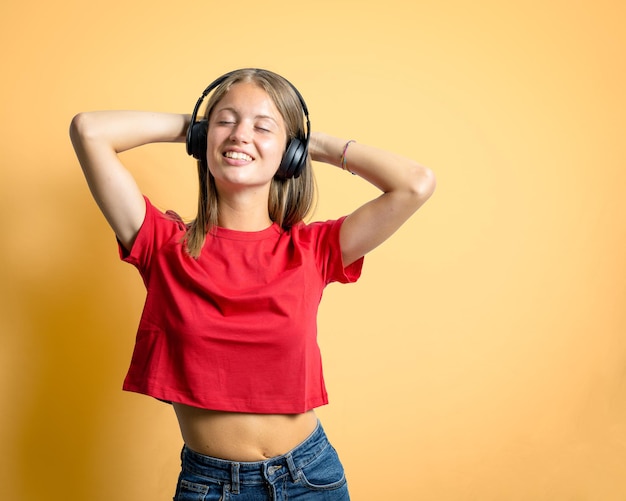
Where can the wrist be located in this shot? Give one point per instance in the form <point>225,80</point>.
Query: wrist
<point>182,133</point>
<point>326,148</point>
<point>344,158</point>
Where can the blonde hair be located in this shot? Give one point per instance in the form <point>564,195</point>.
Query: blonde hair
<point>290,200</point>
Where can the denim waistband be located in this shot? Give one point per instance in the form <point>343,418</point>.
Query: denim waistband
<point>257,472</point>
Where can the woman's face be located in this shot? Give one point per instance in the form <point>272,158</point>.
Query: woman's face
<point>246,138</point>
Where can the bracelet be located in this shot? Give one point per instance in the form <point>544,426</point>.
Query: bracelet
<point>344,160</point>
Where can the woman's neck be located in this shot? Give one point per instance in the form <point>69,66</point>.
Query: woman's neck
<point>244,214</point>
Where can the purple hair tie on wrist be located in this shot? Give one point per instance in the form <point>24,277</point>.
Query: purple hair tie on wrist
<point>344,160</point>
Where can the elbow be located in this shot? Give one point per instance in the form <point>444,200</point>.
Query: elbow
<point>77,130</point>
<point>79,127</point>
<point>87,127</point>
<point>421,184</point>
<point>85,132</point>
<point>83,135</point>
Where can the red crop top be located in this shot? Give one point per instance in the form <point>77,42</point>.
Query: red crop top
<point>234,330</point>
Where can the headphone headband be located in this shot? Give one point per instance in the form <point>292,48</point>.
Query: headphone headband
<point>294,159</point>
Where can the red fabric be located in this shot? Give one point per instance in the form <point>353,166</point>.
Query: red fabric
<point>236,329</point>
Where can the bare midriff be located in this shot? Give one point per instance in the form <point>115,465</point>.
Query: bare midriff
<point>242,437</point>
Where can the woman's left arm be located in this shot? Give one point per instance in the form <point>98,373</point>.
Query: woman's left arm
<point>405,184</point>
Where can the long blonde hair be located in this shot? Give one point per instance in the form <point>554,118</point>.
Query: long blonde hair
<point>290,200</point>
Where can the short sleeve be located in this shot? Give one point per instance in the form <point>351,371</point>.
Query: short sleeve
<point>328,253</point>
<point>339,272</point>
<point>157,229</point>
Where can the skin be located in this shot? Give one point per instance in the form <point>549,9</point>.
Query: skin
<point>245,121</point>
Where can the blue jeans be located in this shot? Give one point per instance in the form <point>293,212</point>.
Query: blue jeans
<point>311,471</point>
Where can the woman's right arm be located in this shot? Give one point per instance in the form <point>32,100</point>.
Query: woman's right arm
<point>98,137</point>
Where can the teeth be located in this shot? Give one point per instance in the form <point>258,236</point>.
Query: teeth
<point>235,155</point>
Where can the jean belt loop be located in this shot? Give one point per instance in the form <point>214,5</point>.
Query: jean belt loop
<point>292,467</point>
<point>234,478</point>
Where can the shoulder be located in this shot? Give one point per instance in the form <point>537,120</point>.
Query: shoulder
<point>318,229</point>
<point>163,218</point>
<point>158,228</point>
<point>322,239</point>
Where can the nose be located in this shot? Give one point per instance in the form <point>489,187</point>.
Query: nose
<point>241,132</point>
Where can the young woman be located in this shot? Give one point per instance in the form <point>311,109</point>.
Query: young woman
<point>228,332</point>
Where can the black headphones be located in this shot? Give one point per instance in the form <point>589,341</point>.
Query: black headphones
<point>294,159</point>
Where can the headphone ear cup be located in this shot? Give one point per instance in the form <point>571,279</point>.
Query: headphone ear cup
<point>294,159</point>
<point>197,139</point>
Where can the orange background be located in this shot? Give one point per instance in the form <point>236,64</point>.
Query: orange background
<point>483,354</point>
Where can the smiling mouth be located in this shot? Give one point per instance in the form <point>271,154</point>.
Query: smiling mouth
<point>236,155</point>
